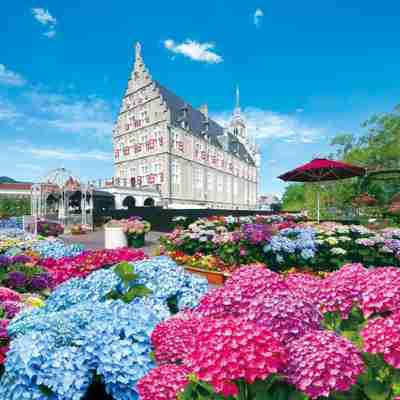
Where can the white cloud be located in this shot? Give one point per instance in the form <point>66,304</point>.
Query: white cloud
<point>194,50</point>
<point>10,78</point>
<point>257,17</point>
<point>61,154</point>
<point>88,116</point>
<point>269,125</point>
<point>46,19</point>
<point>43,16</point>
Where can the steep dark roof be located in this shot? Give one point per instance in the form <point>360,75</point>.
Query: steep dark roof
<point>196,121</point>
<point>194,117</point>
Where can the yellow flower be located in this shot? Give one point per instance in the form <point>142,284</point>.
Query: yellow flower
<point>332,241</point>
<point>34,301</point>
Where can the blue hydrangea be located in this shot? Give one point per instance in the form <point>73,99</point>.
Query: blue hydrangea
<point>49,248</point>
<point>293,241</point>
<point>79,334</point>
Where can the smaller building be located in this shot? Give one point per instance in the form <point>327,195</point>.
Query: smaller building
<point>127,196</point>
<point>15,190</point>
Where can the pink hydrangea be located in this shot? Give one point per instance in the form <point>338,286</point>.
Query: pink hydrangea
<point>163,383</point>
<point>217,303</point>
<point>227,350</point>
<point>9,295</point>
<point>239,290</point>
<point>382,291</point>
<point>382,336</point>
<point>322,362</point>
<point>339,292</point>
<point>257,279</point>
<point>352,274</point>
<point>337,295</point>
<point>173,338</point>
<point>286,316</point>
<point>304,287</point>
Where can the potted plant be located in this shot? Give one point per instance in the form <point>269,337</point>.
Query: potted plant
<point>78,229</point>
<point>135,230</point>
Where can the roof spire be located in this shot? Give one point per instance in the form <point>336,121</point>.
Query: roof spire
<point>237,110</point>
<point>138,50</point>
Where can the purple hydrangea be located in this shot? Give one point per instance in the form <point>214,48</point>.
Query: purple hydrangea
<point>323,362</point>
<point>21,259</point>
<point>4,261</point>
<point>41,282</point>
<point>16,279</point>
<point>11,308</point>
<point>286,316</point>
<point>3,329</point>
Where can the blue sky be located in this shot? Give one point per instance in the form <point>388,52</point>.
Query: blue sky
<point>306,70</point>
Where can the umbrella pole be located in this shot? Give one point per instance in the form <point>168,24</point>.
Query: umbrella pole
<point>318,207</point>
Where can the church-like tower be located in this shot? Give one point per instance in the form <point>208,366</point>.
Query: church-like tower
<point>238,125</point>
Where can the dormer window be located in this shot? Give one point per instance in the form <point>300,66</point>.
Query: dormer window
<point>184,111</point>
<point>184,124</point>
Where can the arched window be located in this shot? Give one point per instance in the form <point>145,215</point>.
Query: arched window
<point>129,202</point>
<point>149,202</point>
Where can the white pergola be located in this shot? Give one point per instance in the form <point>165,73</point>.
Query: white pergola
<point>61,197</point>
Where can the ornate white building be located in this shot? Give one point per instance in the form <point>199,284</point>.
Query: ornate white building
<point>162,141</point>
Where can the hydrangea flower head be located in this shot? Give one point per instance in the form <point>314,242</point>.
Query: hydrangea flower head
<point>322,362</point>
<point>234,298</point>
<point>285,316</point>
<point>8,294</point>
<point>382,291</point>
<point>382,336</point>
<point>173,339</point>
<point>163,383</point>
<point>227,350</point>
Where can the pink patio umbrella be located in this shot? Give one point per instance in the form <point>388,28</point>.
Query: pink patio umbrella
<point>322,170</point>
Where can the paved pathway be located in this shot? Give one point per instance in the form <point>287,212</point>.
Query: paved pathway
<point>95,240</point>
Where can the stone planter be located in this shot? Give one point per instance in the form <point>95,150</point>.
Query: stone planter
<point>213,277</point>
<point>114,237</point>
<point>136,241</point>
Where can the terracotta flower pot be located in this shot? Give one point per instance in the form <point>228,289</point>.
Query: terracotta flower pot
<point>213,277</point>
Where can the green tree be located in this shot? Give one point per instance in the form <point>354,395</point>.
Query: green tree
<point>376,148</point>
<point>12,207</point>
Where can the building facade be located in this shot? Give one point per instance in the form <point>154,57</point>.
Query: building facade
<point>161,141</point>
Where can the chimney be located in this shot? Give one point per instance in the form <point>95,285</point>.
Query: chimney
<point>204,110</point>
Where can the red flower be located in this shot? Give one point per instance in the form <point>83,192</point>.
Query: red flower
<point>173,339</point>
<point>382,336</point>
<point>163,383</point>
<point>227,350</point>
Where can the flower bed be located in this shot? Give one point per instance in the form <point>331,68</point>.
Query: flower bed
<point>220,245</point>
<point>23,274</point>
<point>83,264</point>
<point>95,329</point>
<point>264,335</point>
